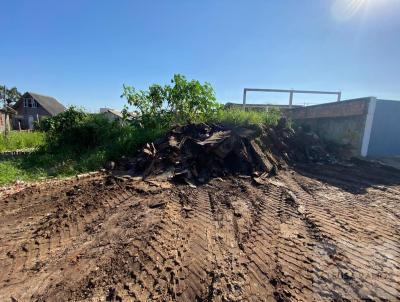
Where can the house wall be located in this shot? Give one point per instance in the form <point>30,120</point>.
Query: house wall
<point>339,122</point>
<point>111,117</point>
<point>384,137</point>
<point>25,112</point>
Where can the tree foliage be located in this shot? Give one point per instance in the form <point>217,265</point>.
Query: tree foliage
<point>75,132</point>
<point>10,95</point>
<point>182,101</point>
<point>9,98</point>
<point>62,122</point>
<point>78,131</point>
<point>62,129</point>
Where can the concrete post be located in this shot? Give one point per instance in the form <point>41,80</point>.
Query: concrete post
<point>368,126</point>
<point>291,99</point>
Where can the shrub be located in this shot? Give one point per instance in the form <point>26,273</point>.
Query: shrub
<point>76,132</point>
<point>61,129</point>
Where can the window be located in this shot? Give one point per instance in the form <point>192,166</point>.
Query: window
<point>27,102</point>
<point>30,103</point>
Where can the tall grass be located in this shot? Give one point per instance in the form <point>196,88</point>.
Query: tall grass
<point>21,140</point>
<point>240,117</point>
<point>11,170</point>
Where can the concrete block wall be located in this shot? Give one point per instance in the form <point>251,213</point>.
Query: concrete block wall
<point>354,107</point>
<point>368,126</point>
<point>340,122</point>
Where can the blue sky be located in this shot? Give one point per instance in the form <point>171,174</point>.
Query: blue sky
<point>82,52</point>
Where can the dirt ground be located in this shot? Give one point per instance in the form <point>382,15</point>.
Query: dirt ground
<point>313,233</point>
<point>393,161</point>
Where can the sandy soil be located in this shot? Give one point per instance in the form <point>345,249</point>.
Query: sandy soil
<point>316,233</point>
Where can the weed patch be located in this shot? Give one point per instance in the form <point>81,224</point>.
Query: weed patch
<point>238,117</point>
<point>21,140</point>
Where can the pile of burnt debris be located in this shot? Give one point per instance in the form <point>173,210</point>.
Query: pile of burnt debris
<point>198,152</point>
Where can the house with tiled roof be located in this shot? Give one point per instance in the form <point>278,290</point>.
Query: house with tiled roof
<point>32,107</point>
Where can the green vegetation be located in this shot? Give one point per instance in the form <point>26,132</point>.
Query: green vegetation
<point>21,140</point>
<point>183,102</point>
<point>9,98</point>
<point>239,117</point>
<point>77,142</point>
<point>75,132</point>
<point>9,95</point>
<point>50,161</point>
<point>10,170</point>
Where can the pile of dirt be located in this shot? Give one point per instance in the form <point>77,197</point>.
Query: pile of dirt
<point>198,152</point>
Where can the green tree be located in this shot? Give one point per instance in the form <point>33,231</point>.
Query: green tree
<point>182,101</point>
<point>9,97</point>
<point>189,100</point>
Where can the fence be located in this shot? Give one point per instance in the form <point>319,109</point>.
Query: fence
<point>291,93</point>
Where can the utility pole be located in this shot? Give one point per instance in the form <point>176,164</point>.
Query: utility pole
<point>5,112</point>
<point>4,105</point>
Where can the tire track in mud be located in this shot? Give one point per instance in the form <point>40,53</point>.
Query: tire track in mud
<point>227,272</point>
<point>292,238</point>
<point>142,265</point>
<point>199,259</point>
<point>79,262</point>
<point>159,262</point>
<point>364,218</point>
<point>262,261</point>
<point>336,225</point>
<point>49,237</point>
<point>291,272</point>
<point>213,261</point>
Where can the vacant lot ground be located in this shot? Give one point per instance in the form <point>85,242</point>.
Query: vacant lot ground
<point>393,161</point>
<point>310,234</point>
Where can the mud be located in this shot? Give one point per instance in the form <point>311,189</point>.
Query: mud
<point>313,233</point>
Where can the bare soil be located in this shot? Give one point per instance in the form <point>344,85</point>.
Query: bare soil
<point>311,233</point>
